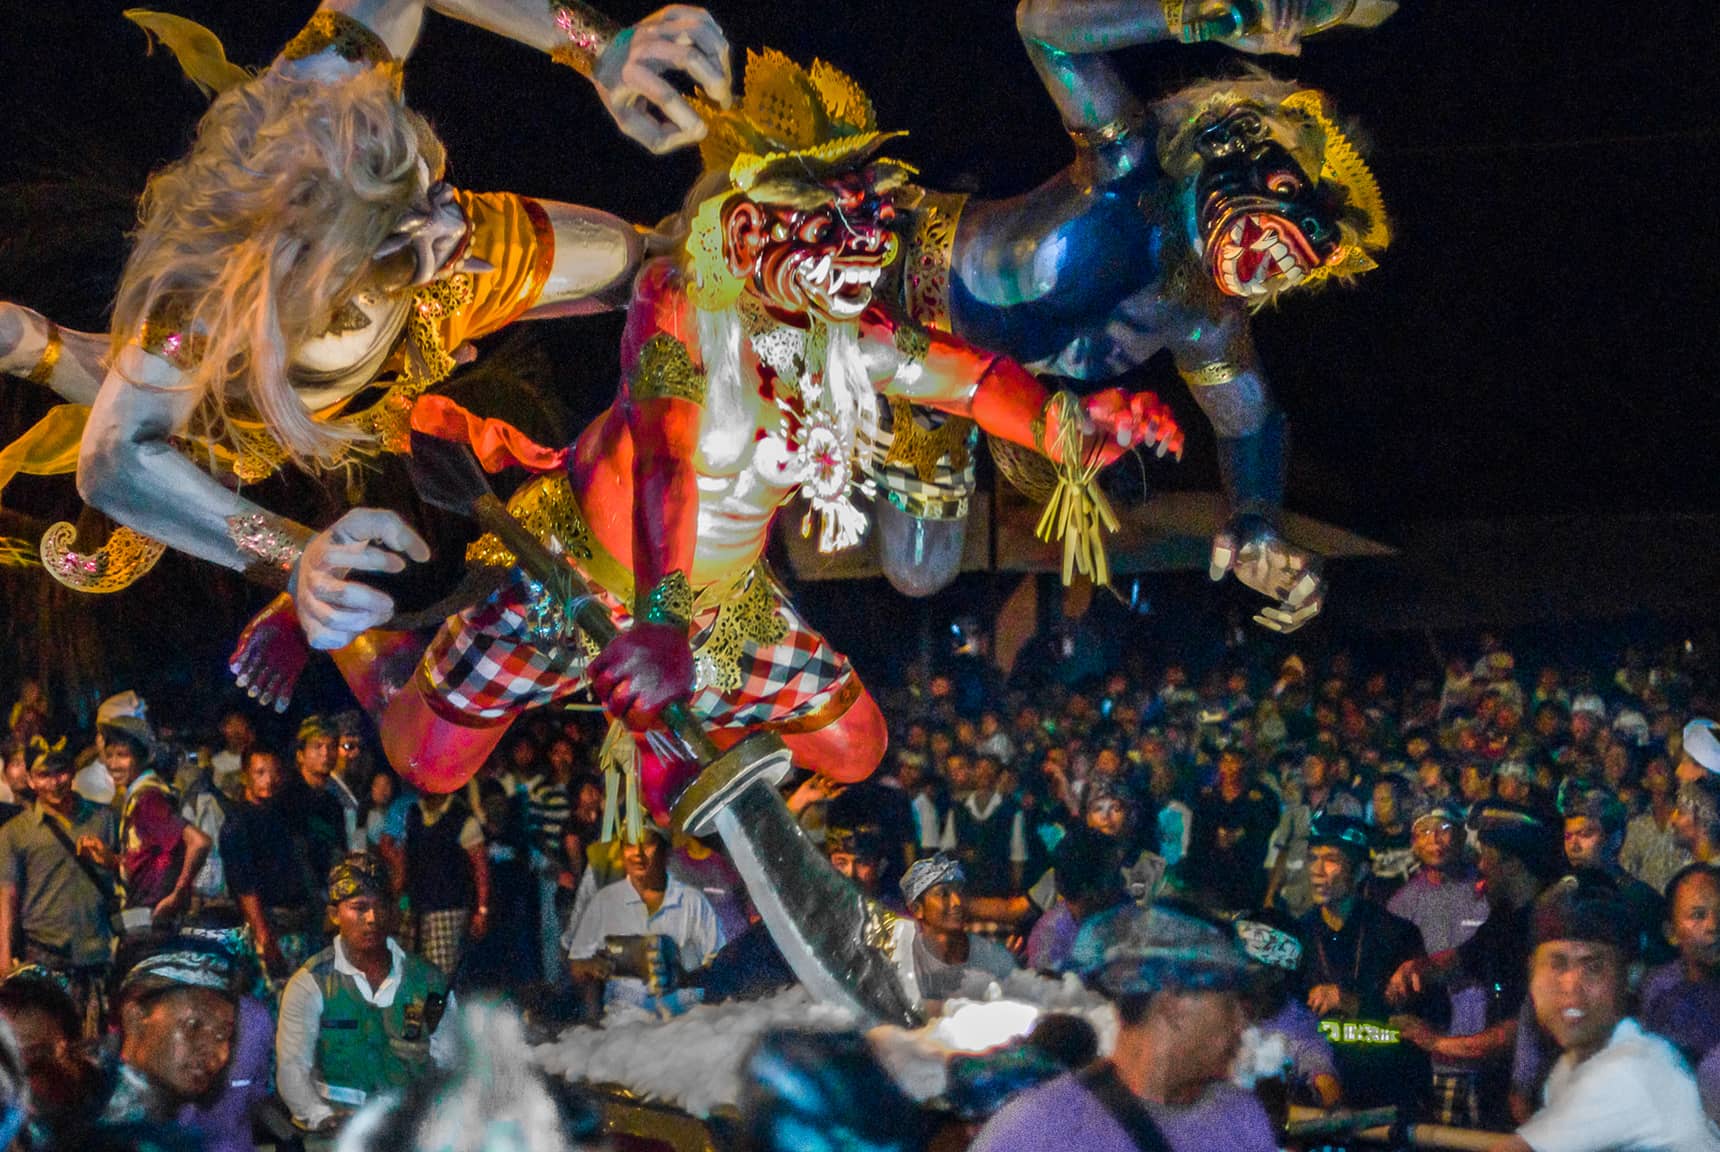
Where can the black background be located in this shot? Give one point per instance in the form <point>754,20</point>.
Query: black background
<point>1541,337</point>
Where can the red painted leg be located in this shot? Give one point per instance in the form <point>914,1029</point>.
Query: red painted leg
<point>437,751</point>
<point>847,749</point>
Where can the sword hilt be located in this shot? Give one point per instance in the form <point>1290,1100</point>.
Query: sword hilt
<point>587,611</point>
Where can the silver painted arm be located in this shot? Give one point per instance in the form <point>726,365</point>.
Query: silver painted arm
<point>73,371</point>
<point>1254,26</point>
<point>1253,441</point>
<point>129,468</point>
<point>596,256</point>
<point>628,66</point>
<point>1087,26</point>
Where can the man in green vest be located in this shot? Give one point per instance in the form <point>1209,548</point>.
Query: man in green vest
<point>361,1017</point>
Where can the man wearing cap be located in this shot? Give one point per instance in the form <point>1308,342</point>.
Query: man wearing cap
<point>361,1017</point>
<point>1274,1002</point>
<point>159,853</point>
<point>1594,834</point>
<point>1615,1086</point>
<point>56,883</point>
<point>1699,754</point>
<point>1175,980</point>
<point>225,1116</point>
<point>1441,901</point>
<point>1288,857</point>
<point>936,955</point>
<point>93,781</point>
<point>1520,855</point>
<point>1353,946</point>
<point>646,902</point>
<point>176,1014</point>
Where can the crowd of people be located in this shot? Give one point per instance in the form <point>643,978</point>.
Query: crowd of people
<point>1486,899</point>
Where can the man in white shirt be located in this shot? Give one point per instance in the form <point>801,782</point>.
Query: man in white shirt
<point>935,955</point>
<point>237,737</point>
<point>1615,1086</point>
<point>363,1017</point>
<point>645,902</point>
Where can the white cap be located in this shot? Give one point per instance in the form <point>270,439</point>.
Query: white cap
<point>1701,745</point>
<point>127,703</point>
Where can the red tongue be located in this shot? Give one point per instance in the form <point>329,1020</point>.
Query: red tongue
<point>1247,264</point>
<point>1249,261</point>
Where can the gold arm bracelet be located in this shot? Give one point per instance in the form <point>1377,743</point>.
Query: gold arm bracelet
<point>1173,10</point>
<point>272,544</point>
<point>670,601</point>
<point>43,372</point>
<point>588,33</point>
<point>1212,375</point>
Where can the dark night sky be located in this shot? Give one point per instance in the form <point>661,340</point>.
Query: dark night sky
<point>1540,338</point>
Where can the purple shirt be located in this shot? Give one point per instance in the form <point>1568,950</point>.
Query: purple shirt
<point>225,1122</point>
<point>1053,938</point>
<point>1448,915</point>
<point>1310,1052</point>
<point>1686,1013</point>
<point>1062,1115</point>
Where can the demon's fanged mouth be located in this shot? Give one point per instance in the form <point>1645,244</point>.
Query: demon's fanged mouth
<point>846,285</point>
<point>1251,253</point>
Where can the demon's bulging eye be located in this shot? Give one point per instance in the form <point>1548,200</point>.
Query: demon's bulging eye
<point>1284,183</point>
<point>813,229</point>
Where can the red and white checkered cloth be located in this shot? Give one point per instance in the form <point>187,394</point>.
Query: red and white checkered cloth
<point>486,663</point>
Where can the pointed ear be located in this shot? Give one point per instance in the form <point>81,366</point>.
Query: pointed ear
<point>746,231</point>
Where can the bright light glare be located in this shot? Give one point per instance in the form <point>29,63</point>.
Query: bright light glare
<point>981,1027</point>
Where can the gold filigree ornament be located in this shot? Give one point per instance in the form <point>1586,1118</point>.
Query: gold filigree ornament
<point>670,601</point>
<point>749,617</point>
<point>1078,513</point>
<point>1213,375</point>
<point>545,505</point>
<point>711,283</point>
<point>666,372</point>
<point>921,448</point>
<point>1342,165</point>
<point>352,41</point>
<point>121,562</point>
<point>931,250</point>
<point>428,362</point>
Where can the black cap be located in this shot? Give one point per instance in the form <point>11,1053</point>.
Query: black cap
<point>1588,911</point>
<point>1330,830</point>
<point>1519,832</point>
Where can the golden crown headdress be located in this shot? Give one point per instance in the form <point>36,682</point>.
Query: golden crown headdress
<point>1341,164</point>
<point>792,128</point>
